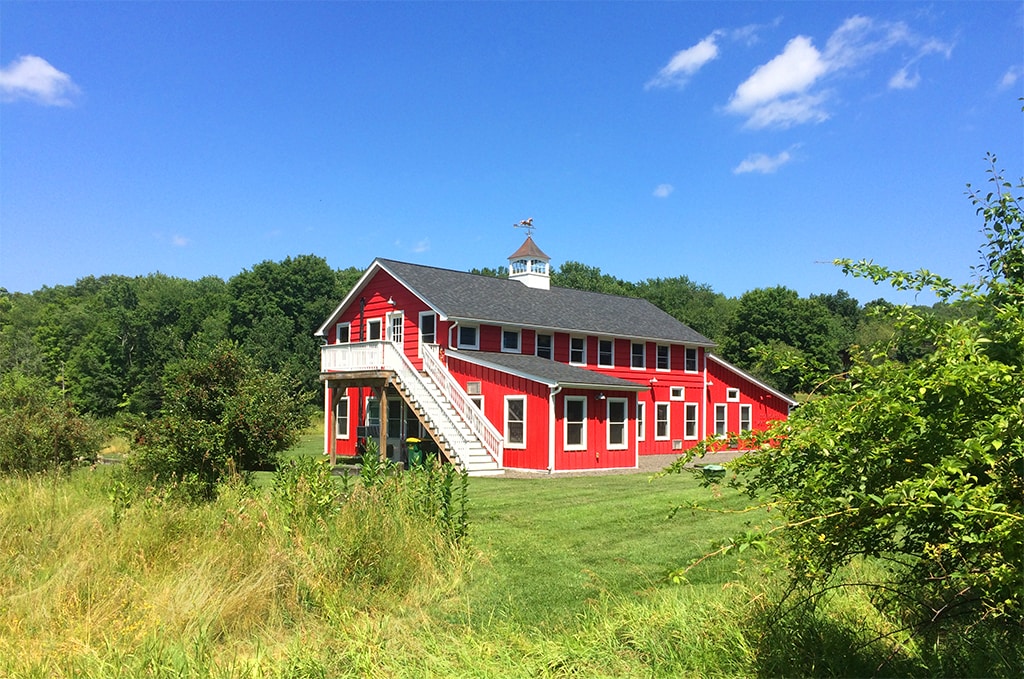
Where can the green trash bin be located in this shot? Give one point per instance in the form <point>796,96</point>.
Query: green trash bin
<point>412,445</point>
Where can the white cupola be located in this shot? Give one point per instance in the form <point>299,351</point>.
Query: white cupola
<point>530,266</point>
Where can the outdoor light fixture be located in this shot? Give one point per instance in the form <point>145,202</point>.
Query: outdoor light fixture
<point>600,396</point>
<point>391,301</point>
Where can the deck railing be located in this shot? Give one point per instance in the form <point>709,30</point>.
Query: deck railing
<point>489,436</point>
<point>379,355</point>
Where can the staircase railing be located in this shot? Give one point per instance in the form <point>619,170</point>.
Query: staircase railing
<point>492,441</point>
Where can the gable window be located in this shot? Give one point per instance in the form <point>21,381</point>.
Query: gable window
<point>578,350</point>
<point>617,423</point>
<point>690,413</point>
<point>575,422</point>
<point>721,420</point>
<point>661,422</point>
<point>469,337</point>
<point>428,327</point>
<point>641,420</point>
<point>637,357</point>
<point>691,360</point>
<point>544,346</point>
<point>664,352</point>
<point>677,393</point>
<point>341,334</point>
<point>732,395</point>
<point>510,341</point>
<point>341,417</point>
<point>606,353</point>
<point>745,417</point>
<point>515,421</point>
<point>373,329</point>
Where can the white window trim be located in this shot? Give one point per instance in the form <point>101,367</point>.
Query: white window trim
<point>732,395</point>
<point>337,332</point>
<point>458,336</point>
<point>551,345</point>
<point>338,433</point>
<point>599,363</point>
<point>749,410</point>
<point>687,407</point>
<point>725,420</point>
<point>379,322</point>
<point>696,360</point>
<point>518,349</point>
<point>511,444</point>
<point>643,356</point>
<point>419,329</point>
<point>657,349</point>
<point>677,393</point>
<point>584,340</point>
<point>668,421</point>
<point>641,421</point>
<point>582,445</point>
<point>625,423</point>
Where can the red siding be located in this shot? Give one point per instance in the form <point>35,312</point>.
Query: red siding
<point>765,406</point>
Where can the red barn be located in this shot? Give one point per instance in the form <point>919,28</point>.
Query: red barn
<point>516,374</point>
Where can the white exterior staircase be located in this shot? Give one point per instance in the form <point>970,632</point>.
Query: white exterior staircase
<point>462,433</point>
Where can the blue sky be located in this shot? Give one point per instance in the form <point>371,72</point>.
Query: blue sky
<point>741,144</point>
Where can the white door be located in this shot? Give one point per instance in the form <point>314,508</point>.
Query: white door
<point>396,333</point>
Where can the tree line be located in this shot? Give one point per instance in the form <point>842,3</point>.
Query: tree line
<point>105,342</point>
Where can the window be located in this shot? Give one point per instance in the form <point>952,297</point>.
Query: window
<point>373,413</point>
<point>575,422</point>
<point>641,420</point>
<point>664,354</point>
<point>395,407</point>
<point>544,346</point>
<point>606,353</point>
<point>341,416</point>
<point>721,420</point>
<point>341,335</point>
<point>515,421</point>
<point>469,337</point>
<point>578,350</point>
<point>617,423</point>
<point>677,393</point>
<point>732,395</point>
<point>373,329</point>
<point>661,423</point>
<point>637,358</point>
<point>691,360</point>
<point>745,416</point>
<point>428,328</point>
<point>690,431</point>
<point>510,341</point>
<point>477,401</point>
<point>396,327</point>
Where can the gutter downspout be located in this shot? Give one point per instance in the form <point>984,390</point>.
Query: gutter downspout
<point>704,404</point>
<point>551,426</point>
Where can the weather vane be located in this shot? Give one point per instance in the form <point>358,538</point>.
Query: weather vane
<point>526,224</point>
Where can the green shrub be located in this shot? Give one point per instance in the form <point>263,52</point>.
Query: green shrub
<point>39,430</point>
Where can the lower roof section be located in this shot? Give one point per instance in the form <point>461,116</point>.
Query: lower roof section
<point>546,371</point>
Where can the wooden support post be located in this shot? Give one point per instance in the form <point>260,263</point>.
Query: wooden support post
<point>383,401</point>
<point>331,424</point>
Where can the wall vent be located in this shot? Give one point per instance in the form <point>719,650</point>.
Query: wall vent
<point>473,388</point>
<point>677,444</point>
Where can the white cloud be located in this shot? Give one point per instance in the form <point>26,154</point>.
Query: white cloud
<point>762,163</point>
<point>422,246</point>
<point>663,190</point>
<point>35,79</point>
<point>903,80</point>
<point>1010,78</point>
<point>679,69</point>
<point>179,241</point>
<point>782,92</point>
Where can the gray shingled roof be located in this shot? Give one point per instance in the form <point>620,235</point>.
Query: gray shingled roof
<point>482,299</point>
<point>547,371</point>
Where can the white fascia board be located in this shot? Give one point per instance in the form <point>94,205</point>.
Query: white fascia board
<point>357,290</point>
<point>476,360</point>
<point>751,378</point>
